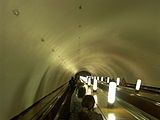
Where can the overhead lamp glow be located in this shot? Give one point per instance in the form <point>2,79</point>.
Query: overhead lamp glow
<point>95,85</point>
<point>138,85</point>
<point>88,91</point>
<point>111,116</point>
<point>111,92</point>
<point>96,101</point>
<point>84,79</point>
<point>101,78</point>
<point>89,81</point>
<point>92,77</point>
<point>118,81</point>
<point>108,79</point>
<point>81,78</point>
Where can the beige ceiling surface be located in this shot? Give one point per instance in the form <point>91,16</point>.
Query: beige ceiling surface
<point>44,42</point>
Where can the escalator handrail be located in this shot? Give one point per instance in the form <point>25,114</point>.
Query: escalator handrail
<point>51,102</point>
<point>29,108</point>
<point>145,88</point>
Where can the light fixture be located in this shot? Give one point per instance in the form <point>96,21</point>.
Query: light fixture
<point>101,78</point>
<point>108,79</point>
<point>118,81</point>
<point>111,92</point>
<point>94,85</point>
<point>89,81</point>
<point>97,77</point>
<point>84,79</point>
<point>96,101</point>
<point>111,116</point>
<point>88,91</point>
<point>138,85</point>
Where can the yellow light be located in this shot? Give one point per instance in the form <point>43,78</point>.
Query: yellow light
<point>112,92</point>
<point>88,91</point>
<point>118,81</point>
<point>95,84</point>
<point>108,79</point>
<point>138,85</point>
<point>92,77</point>
<point>96,101</point>
<point>89,81</point>
<point>101,78</point>
<point>84,79</point>
<point>86,86</point>
<point>111,116</point>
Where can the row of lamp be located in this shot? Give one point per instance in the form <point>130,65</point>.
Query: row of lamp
<point>112,86</point>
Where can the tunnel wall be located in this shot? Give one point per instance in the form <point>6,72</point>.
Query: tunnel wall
<point>44,42</point>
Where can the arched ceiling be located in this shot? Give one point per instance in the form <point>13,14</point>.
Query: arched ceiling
<point>44,42</point>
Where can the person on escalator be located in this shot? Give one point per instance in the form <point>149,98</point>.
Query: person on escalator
<point>76,100</point>
<point>87,112</point>
<point>88,103</point>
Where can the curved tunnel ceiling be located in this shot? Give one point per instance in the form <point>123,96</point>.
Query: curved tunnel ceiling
<point>44,42</point>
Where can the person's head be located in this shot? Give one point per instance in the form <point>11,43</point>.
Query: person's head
<point>88,102</point>
<point>81,92</point>
<point>72,78</point>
